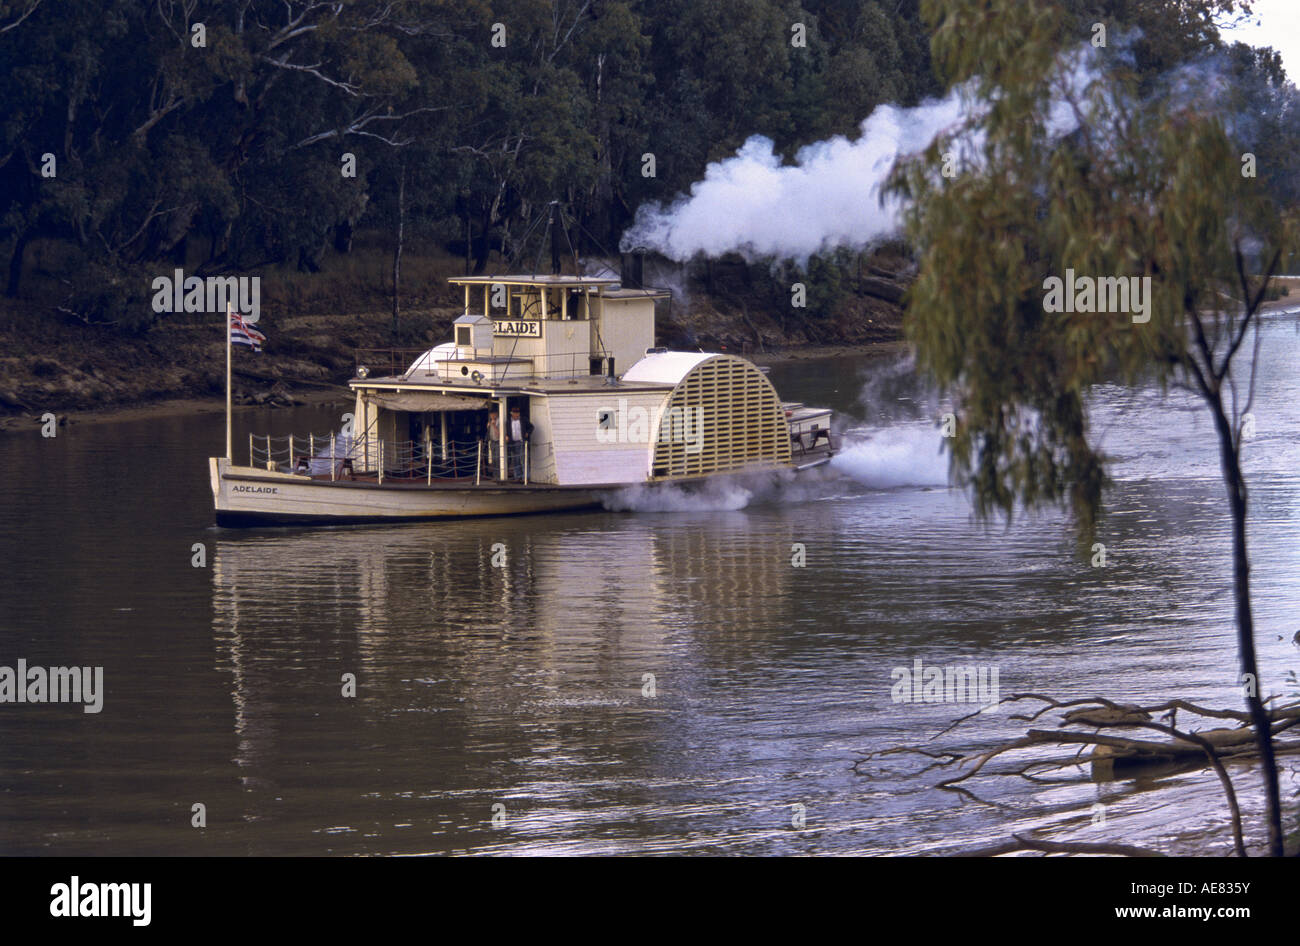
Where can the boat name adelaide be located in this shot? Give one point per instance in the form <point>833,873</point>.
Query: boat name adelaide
<point>530,328</point>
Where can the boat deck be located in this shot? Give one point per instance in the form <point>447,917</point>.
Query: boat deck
<point>424,482</point>
<point>812,447</point>
<point>807,454</point>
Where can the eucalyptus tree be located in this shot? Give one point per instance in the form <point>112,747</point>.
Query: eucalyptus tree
<point>131,126</point>
<point>1070,162</point>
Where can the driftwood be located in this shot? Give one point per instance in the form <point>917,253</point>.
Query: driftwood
<point>1110,753</point>
<point>882,272</point>
<point>882,288</point>
<point>1019,842</point>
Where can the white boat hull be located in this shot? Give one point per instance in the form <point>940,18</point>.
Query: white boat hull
<point>246,496</point>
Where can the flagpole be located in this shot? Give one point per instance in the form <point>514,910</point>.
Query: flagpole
<point>229,453</point>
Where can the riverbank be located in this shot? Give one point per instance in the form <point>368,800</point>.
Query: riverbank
<point>86,374</point>
<point>216,403</point>
<point>82,373</point>
<point>52,363</point>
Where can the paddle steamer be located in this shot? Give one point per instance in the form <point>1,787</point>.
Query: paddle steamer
<point>550,396</point>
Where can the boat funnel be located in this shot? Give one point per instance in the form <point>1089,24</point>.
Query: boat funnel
<point>632,269</point>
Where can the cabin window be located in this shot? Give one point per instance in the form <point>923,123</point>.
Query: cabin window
<point>525,306</point>
<point>464,336</point>
<point>575,311</point>
<point>597,365</point>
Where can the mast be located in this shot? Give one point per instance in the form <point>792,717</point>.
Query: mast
<point>229,454</point>
<point>555,229</point>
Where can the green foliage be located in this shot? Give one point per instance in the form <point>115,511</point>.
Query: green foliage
<point>829,278</point>
<point>227,157</point>
<point>1148,185</point>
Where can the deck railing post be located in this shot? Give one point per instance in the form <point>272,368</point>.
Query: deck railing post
<point>333,464</point>
<point>291,453</point>
<point>502,449</point>
<point>381,461</point>
<point>428,460</point>
<point>250,448</point>
<point>478,465</point>
<point>525,462</point>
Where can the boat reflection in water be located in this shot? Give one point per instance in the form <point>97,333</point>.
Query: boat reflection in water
<point>491,660</point>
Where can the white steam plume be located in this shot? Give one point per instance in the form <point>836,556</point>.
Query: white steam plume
<point>716,495</point>
<point>894,457</point>
<point>752,204</point>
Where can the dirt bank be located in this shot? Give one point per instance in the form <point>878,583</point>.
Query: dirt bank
<point>315,324</point>
<point>84,374</point>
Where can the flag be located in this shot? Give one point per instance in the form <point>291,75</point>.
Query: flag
<point>242,333</point>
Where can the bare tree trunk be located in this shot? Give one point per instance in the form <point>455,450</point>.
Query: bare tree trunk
<point>483,249</point>
<point>343,232</point>
<point>604,223</point>
<point>16,264</point>
<point>397,253</point>
<point>1230,456</point>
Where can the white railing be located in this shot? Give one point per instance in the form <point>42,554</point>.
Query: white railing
<point>341,457</point>
<point>561,365</point>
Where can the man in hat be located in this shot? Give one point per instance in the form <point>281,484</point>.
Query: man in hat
<point>493,438</point>
<point>518,431</point>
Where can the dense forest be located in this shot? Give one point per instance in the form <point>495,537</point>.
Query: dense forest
<point>250,135</point>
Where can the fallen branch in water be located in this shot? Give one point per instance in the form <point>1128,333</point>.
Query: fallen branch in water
<point>1093,715</point>
<point>1022,843</point>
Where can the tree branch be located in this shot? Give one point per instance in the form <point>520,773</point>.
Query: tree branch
<point>14,25</point>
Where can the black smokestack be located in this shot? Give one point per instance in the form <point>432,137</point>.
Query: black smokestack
<point>633,269</point>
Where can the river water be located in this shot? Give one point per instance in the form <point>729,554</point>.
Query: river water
<point>666,679</point>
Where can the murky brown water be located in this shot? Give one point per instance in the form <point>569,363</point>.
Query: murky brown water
<point>524,686</point>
